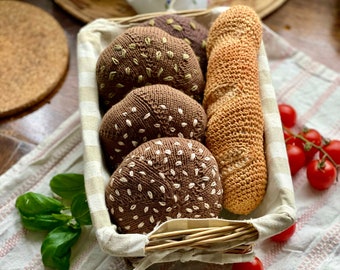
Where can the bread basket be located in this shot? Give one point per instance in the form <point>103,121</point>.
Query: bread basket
<point>220,241</point>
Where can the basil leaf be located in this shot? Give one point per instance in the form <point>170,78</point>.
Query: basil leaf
<point>45,222</point>
<point>31,204</point>
<point>56,247</point>
<point>80,209</point>
<point>67,185</point>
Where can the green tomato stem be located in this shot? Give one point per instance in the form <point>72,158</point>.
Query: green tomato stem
<point>325,154</point>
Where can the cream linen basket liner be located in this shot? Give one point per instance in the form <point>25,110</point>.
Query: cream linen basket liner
<point>218,241</point>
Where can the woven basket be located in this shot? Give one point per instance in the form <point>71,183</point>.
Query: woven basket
<point>228,239</point>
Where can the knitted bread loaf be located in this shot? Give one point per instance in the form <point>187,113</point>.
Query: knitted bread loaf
<point>162,179</point>
<point>235,126</point>
<point>147,113</point>
<point>147,55</point>
<point>192,32</point>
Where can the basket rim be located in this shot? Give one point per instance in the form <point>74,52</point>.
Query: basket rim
<point>281,218</point>
<point>241,234</point>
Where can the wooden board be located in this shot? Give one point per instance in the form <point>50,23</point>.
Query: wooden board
<point>88,10</point>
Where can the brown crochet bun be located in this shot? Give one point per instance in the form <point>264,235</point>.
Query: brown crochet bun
<point>186,28</point>
<point>163,179</point>
<point>147,55</point>
<point>235,126</point>
<point>147,113</point>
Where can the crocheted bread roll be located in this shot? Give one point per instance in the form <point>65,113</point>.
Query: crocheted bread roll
<point>147,113</point>
<point>235,126</point>
<point>235,25</point>
<point>186,28</point>
<point>163,179</point>
<point>147,55</point>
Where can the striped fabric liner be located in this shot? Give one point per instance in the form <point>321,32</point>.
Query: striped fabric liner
<point>276,212</point>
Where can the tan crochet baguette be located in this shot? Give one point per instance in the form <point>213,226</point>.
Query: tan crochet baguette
<point>235,125</point>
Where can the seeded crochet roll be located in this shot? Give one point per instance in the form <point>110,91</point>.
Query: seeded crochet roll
<point>147,113</point>
<point>163,179</point>
<point>235,126</point>
<point>147,55</point>
<point>186,28</point>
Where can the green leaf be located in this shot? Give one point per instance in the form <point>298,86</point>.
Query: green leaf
<point>80,209</point>
<point>56,247</point>
<point>67,185</point>
<point>31,204</point>
<point>46,222</point>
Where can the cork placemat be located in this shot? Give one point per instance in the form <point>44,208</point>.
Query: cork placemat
<point>33,56</point>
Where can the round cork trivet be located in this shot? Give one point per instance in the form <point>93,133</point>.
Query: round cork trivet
<point>33,57</point>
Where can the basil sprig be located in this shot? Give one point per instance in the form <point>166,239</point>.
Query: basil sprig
<point>80,209</point>
<point>44,222</point>
<point>67,185</point>
<point>31,204</point>
<point>56,247</point>
<point>62,218</point>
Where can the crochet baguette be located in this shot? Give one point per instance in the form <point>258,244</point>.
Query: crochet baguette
<point>235,126</point>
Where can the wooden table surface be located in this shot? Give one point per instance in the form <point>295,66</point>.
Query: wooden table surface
<point>311,26</point>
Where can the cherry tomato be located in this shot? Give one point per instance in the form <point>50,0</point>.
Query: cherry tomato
<point>321,174</point>
<point>284,235</point>
<point>313,136</point>
<point>296,158</point>
<point>256,264</point>
<point>288,115</point>
<point>333,149</point>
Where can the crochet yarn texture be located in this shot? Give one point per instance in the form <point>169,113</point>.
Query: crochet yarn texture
<point>186,28</point>
<point>235,126</point>
<point>147,113</point>
<point>163,179</point>
<point>147,55</point>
